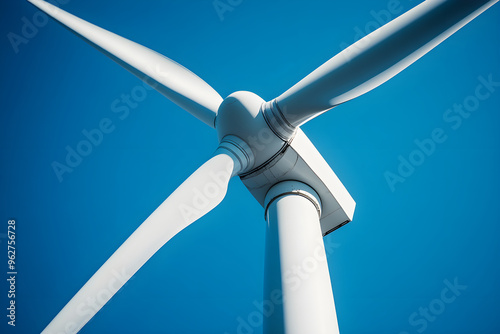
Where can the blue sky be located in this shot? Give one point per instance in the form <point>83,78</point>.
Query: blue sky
<point>407,243</point>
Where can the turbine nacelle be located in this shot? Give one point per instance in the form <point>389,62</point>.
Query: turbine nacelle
<point>250,130</point>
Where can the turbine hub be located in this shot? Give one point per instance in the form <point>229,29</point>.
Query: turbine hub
<point>240,115</point>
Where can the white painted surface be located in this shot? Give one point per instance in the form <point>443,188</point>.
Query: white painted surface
<point>295,246</point>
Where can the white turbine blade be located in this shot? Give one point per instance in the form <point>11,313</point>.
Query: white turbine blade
<point>174,81</point>
<point>377,57</point>
<point>198,195</point>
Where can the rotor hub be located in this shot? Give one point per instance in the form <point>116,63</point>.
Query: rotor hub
<point>240,115</point>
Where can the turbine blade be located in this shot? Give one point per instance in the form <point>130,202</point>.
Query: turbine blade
<point>377,57</point>
<point>174,81</point>
<point>198,195</point>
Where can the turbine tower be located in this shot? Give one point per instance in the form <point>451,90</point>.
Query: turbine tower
<point>262,143</point>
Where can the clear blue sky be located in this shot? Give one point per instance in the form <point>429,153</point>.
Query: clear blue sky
<point>388,265</point>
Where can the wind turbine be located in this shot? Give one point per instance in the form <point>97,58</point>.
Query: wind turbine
<point>262,143</point>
